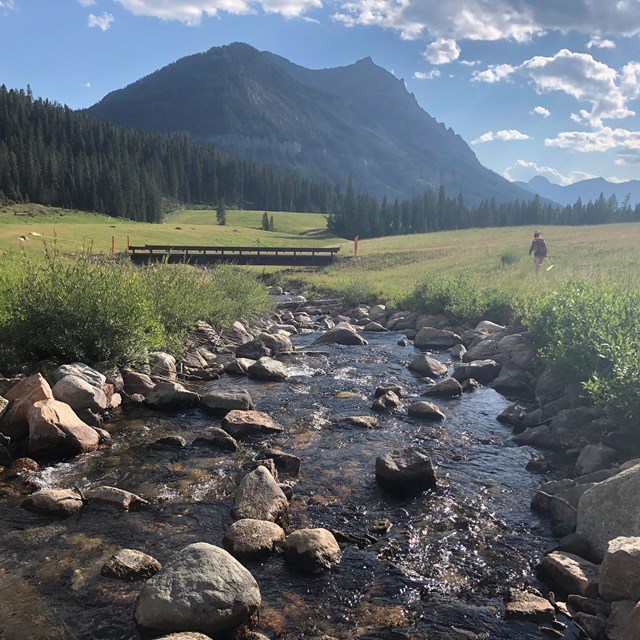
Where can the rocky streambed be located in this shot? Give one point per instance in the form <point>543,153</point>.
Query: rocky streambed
<point>447,562</point>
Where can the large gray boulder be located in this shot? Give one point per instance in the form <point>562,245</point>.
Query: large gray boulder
<point>202,588</point>
<point>170,394</point>
<point>267,369</point>
<point>130,564</point>
<point>484,371</point>
<point>611,509</point>
<point>259,497</point>
<point>571,573</point>
<point>163,365</point>
<point>79,394</point>
<point>312,550</point>
<point>427,366</point>
<point>594,457</point>
<point>224,399</point>
<point>406,470</point>
<point>277,342</point>
<point>250,539</point>
<point>437,338</point>
<point>80,370</point>
<point>56,431</point>
<point>425,410</point>
<point>54,502</point>
<point>620,571</point>
<point>342,333</point>
<point>240,424</point>
<point>447,388</point>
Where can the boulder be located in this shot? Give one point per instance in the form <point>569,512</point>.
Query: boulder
<point>427,366</point>
<point>594,457</point>
<point>611,509</point>
<point>513,381</point>
<point>593,626</point>
<point>620,571</point>
<point>343,333</point>
<point>386,402</point>
<point>285,462</point>
<point>617,621</point>
<point>240,424</point>
<point>572,574</point>
<point>217,438</point>
<point>489,327</point>
<point>253,350</point>
<point>276,342</point>
<point>80,370</point>
<point>79,394</point>
<point>238,333</point>
<point>251,539</point>
<point>528,606</point>
<point>447,388</point>
<point>374,327</point>
<point>202,588</point>
<point>378,312</point>
<point>224,399</point>
<point>457,351</point>
<point>173,441</point>
<point>429,337</point>
<point>425,410</point>
<point>632,627</point>
<point>163,365</point>
<point>56,431</point>
<point>171,394</point>
<point>486,349</point>
<point>22,397</point>
<point>541,437</point>
<point>259,497</point>
<point>187,635</point>
<point>406,470</point>
<point>383,387</point>
<point>130,564</point>
<point>136,382</point>
<point>484,371</point>
<point>239,366</point>
<point>365,422</point>
<point>312,550</point>
<point>54,502</point>
<point>267,369</point>
<point>114,497</point>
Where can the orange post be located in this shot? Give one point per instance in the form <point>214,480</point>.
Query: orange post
<point>355,246</point>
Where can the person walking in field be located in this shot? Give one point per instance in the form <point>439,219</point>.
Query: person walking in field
<point>539,249</point>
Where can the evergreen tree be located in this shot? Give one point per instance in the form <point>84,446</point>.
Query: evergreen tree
<point>265,221</point>
<point>271,225</point>
<point>221,213</point>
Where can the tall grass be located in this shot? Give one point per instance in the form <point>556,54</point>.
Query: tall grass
<point>94,310</point>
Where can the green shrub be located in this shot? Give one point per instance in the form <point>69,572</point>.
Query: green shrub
<point>509,258</point>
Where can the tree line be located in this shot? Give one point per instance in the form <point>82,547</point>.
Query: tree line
<point>54,155</point>
<point>359,214</point>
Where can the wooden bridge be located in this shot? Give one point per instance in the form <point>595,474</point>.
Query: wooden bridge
<point>194,254</point>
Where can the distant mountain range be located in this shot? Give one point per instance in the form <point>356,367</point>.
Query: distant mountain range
<point>584,189</point>
<point>327,124</point>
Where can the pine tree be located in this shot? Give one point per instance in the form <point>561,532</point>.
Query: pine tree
<point>271,226</point>
<point>221,213</point>
<point>265,221</point>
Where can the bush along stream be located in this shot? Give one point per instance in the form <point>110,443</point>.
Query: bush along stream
<point>318,476</point>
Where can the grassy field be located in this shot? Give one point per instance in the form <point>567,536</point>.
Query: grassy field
<point>385,267</point>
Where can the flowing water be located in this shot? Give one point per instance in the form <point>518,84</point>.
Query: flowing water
<point>439,572</point>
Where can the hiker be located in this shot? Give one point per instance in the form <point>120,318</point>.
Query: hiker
<point>539,249</point>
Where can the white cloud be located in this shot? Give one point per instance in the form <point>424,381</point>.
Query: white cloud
<point>575,118</point>
<point>518,20</point>
<point>86,85</point>
<point>442,51</point>
<point>87,3</point>
<point>434,73</point>
<point>600,140</point>
<point>494,73</point>
<point>469,63</point>
<point>626,159</point>
<point>506,135</point>
<point>540,111</point>
<point>103,21</point>
<point>191,12</point>
<point>7,4</point>
<point>600,43</point>
<point>524,171</point>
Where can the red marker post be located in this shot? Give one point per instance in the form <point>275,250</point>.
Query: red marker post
<point>355,246</point>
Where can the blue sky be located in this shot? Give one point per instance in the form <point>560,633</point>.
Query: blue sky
<point>537,87</point>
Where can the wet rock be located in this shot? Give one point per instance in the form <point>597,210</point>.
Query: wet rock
<point>425,410</point>
<point>404,342</point>
<point>240,424</point>
<point>56,431</point>
<point>577,545</point>
<point>620,571</point>
<point>130,564</point>
<point>528,606</point>
<point>611,509</point>
<point>176,442</point>
<point>253,350</point>
<point>571,573</point>
<point>406,470</point>
<point>201,588</point>
<point>429,337</point>
<point>427,366</point>
<point>542,437</point>
<point>114,497</point>
<point>617,620</point>
<point>276,342</point>
<point>374,327</point>
<point>486,349</point>
<point>513,381</point>
<point>80,370</point>
<point>312,550</point>
<point>383,387</point>
<point>343,333</point>
<point>79,394</point>
<point>386,402</point>
<point>251,539</point>
<point>365,422</point>
<point>484,371</point>
<point>592,606</point>
<point>267,369</point>
<point>259,497</point>
<point>513,415</point>
<point>594,626</point>
<point>21,466</point>
<point>457,351</point>
<point>447,388</point>
<point>217,438</point>
<point>239,366</point>
<point>22,397</point>
<point>470,385</point>
<point>594,457</point>
<point>54,502</point>
<point>378,312</point>
<point>136,382</point>
<point>402,320</point>
<point>171,394</point>
<point>285,462</point>
<point>225,399</point>
<point>632,626</point>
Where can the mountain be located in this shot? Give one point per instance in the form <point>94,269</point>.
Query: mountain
<point>584,189</point>
<point>327,124</point>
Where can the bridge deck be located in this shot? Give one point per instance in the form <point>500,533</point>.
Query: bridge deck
<point>203,254</point>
